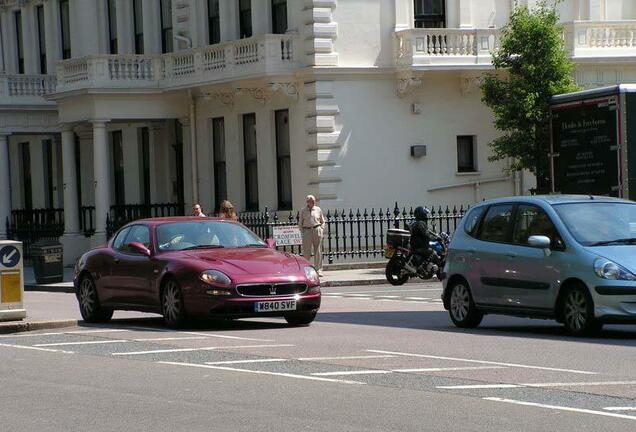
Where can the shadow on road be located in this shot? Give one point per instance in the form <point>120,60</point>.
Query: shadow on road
<point>490,326</point>
<point>157,325</point>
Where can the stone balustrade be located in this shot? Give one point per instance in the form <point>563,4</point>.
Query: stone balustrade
<point>26,89</point>
<point>594,39</point>
<point>267,54</point>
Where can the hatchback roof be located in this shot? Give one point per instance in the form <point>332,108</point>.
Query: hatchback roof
<point>556,199</point>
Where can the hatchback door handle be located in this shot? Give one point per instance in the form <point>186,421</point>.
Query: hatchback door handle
<point>511,255</point>
<point>116,260</point>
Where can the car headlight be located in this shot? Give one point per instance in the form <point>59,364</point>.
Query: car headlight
<point>607,269</point>
<point>215,277</point>
<point>312,274</point>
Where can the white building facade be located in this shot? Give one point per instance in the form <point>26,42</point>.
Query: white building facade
<point>108,106</point>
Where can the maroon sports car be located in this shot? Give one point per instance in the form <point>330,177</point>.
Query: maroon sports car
<point>187,267</point>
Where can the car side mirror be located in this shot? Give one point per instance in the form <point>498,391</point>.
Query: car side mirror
<point>139,248</point>
<point>271,243</point>
<point>540,242</point>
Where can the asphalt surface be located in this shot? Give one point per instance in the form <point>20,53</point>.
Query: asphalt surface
<point>378,358</point>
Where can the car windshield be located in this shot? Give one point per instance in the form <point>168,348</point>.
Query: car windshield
<point>601,223</point>
<point>205,234</point>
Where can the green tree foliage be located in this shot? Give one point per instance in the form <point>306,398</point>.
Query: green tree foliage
<point>536,66</point>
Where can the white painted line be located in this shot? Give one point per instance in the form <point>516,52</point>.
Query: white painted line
<point>332,296</point>
<point>345,357</point>
<point>540,385</point>
<point>170,338</point>
<point>449,369</point>
<point>211,335</point>
<point>379,371</point>
<point>561,408</point>
<point>575,371</point>
<point>61,333</point>
<point>99,342</point>
<point>246,361</point>
<point>161,351</point>
<point>385,291</point>
<point>479,386</point>
<point>35,348</point>
<point>353,372</point>
<point>305,377</point>
<point>357,295</point>
<point>418,298</point>
<point>387,297</point>
<point>620,408</point>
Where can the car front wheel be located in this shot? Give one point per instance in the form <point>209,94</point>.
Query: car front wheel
<point>90,307</point>
<point>172,305</point>
<point>462,309</point>
<point>577,311</point>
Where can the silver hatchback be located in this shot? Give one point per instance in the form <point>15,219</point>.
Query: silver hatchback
<point>569,258</point>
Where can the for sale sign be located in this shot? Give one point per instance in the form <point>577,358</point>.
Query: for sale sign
<point>287,235</point>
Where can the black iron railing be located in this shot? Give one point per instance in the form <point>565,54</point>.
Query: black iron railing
<point>120,215</point>
<point>87,220</point>
<point>353,234</point>
<point>30,226</point>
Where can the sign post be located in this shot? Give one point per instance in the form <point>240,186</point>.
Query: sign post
<point>11,281</point>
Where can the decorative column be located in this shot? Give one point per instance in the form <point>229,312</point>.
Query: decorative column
<point>71,211</point>
<point>102,180</point>
<point>5,185</point>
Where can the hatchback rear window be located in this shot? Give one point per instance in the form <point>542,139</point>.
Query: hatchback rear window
<point>472,220</point>
<point>496,226</point>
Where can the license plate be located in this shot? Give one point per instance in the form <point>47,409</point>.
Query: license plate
<point>275,306</point>
<point>388,253</point>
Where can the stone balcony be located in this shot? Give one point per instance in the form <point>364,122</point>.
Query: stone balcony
<point>26,91</point>
<point>451,48</point>
<point>265,55</point>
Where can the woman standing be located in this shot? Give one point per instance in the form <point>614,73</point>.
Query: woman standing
<point>227,211</point>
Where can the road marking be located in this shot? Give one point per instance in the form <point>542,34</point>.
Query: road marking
<point>345,357</point>
<point>226,336</point>
<point>35,348</point>
<point>305,377</point>
<point>161,351</point>
<point>479,386</point>
<point>387,297</point>
<point>485,362</point>
<point>539,385</point>
<point>357,295</point>
<point>561,408</point>
<point>418,298</point>
<point>246,361</point>
<point>61,333</point>
<point>620,408</point>
<point>100,342</point>
<point>379,371</point>
<point>170,338</point>
<point>385,291</point>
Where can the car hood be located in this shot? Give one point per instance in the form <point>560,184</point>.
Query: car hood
<point>624,255</point>
<point>255,261</point>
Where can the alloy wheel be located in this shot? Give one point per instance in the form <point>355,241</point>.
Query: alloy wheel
<point>576,310</point>
<point>171,302</point>
<point>87,296</point>
<point>460,302</point>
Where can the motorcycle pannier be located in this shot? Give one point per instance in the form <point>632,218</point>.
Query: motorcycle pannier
<point>398,238</point>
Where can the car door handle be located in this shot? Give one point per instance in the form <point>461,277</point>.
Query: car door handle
<point>511,255</point>
<point>116,260</point>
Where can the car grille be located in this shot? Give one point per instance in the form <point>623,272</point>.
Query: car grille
<point>271,290</point>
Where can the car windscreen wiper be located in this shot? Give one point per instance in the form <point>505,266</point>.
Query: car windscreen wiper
<point>629,240</point>
<point>204,247</point>
<point>256,245</point>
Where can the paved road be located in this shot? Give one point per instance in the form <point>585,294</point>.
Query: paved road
<point>378,358</point>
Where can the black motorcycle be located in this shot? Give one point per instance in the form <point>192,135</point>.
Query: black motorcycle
<point>403,264</point>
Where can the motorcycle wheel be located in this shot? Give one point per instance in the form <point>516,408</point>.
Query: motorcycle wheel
<point>394,273</point>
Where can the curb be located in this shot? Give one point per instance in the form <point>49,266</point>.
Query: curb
<point>354,266</point>
<point>18,327</point>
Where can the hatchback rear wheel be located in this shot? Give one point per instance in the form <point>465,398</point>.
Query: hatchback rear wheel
<point>462,309</point>
<point>577,311</point>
